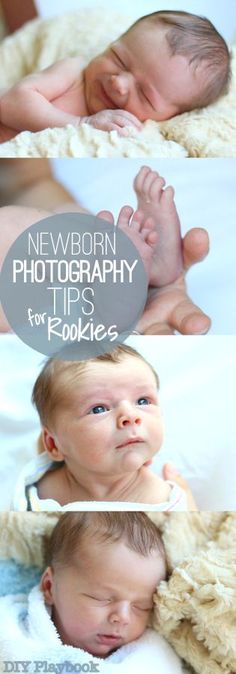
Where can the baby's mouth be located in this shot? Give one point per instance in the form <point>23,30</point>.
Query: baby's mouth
<point>130,441</point>
<point>109,639</point>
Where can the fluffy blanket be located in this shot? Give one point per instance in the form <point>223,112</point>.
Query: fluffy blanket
<point>210,132</point>
<point>195,609</point>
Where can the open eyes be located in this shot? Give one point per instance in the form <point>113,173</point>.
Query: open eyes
<point>143,401</point>
<point>100,409</point>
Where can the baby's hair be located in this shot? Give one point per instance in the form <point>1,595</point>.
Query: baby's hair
<point>54,384</point>
<point>197,39</point>
<point>136,530</point>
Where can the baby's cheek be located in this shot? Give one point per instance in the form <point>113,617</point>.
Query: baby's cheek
<point>96,443</point>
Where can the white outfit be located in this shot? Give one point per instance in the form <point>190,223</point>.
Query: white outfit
<point>27,633</point>
<point>26,495</point>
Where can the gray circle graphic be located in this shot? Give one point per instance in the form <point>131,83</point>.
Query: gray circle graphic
<point>73,285</point>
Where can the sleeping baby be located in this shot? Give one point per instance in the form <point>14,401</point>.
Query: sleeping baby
<point>95,598</point>
<point>101,427</point>
<point>167,63</point>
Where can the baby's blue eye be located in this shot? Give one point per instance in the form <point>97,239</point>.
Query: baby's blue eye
<point>143,401</point>
<point>98,409</point>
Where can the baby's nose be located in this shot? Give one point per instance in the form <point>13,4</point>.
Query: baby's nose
<point>120,614</point>
<point>128,414</point>
<point>120,84</point>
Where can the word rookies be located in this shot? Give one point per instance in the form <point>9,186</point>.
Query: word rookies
<point>43,666</point>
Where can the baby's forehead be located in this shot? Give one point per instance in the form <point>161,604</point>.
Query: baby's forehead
<point>103,378</point>
<point>124,360</point>
<point>146,26</point>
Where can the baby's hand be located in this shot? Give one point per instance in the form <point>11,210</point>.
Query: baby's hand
<point>114,120</point>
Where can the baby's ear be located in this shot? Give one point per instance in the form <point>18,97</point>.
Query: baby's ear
<point>46,585</point>
<point>51,445</point>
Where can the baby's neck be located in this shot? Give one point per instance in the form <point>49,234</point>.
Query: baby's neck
<point>93,487</point>
<point>141,486</point>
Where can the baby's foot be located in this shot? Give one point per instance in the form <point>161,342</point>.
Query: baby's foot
<point>141,232</point>
<point>158,204</point>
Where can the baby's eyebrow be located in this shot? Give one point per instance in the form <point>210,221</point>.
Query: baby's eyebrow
<point>96,395</point>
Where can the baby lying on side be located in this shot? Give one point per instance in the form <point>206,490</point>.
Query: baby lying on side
<point>101,426</point>
<point>167,63</point>
<point>94,601</point>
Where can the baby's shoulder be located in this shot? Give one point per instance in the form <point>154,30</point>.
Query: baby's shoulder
<point>50,484</point>
<point>154,488</point>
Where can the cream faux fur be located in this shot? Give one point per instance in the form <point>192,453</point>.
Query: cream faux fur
<point>206,133</point>
<point>195,609</point>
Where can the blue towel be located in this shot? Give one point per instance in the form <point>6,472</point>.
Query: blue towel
<point>16,578</point>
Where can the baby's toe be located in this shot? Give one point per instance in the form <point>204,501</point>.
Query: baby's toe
<point>106,215</point>
<point>150,237</point>
<point>168,194</point>
<point>124,216</point>
<point>137,221</point>
<point>140,177</point>
<point>156,188</point>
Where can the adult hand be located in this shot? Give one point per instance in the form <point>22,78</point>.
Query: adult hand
<point>170,472</point>
<point>169,308</point>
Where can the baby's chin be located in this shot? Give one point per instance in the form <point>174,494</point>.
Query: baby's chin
<point>102,651</point>
<point>135,459</point>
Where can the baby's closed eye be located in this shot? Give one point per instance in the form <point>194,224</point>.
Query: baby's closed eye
<point>104,600</point>
<point>141,607</point>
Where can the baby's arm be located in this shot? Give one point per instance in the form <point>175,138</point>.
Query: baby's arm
<point>27,105</point>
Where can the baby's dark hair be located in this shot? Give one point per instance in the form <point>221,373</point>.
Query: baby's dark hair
<point>136,529</point>
<point>53,387</point>
<point>196,38</point>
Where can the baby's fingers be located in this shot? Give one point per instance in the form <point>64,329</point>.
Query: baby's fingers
<point>124,118</point>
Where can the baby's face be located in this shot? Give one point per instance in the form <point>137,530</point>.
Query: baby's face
<point>103,599</point>
<point>137,73</point>
<point>112,422</point>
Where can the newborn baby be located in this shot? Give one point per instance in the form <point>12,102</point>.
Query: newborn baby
<point>95,599</point>
<point>167,63</point>
<point>102,426</point>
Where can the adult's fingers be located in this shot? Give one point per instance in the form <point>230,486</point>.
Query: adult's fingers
<point>195,246</point>
<point>170,472</point>
<point>156,329</point>
<point>188,319</point>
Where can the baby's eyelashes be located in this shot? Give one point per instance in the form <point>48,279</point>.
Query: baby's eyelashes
<point>145,97</point>
<point>99,409</point>
<point>143,401</point>
<point>118,59</point>
<point>143,608</point>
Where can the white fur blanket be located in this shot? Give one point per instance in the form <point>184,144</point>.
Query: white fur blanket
<point>27,633</point>
<point>210,132</point>
<point>195,609</point>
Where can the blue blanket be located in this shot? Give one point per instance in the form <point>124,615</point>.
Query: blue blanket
<point>17,578</point>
